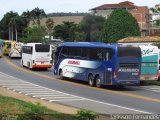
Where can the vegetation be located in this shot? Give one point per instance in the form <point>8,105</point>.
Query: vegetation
<point>12,23</point>
<point>86,115</point>
<point>92,28</point>
<point>119,25</point>
<point>28,111</point>
<point>34,34</point>
<point>87,30</point>
<point>20,110</point>
<point>65,31</point>
<point>37,14</point>
<point>49,25</point>
<point>151,82</point>
<point>65,14</point>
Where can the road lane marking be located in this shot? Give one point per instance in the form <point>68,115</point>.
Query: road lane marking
<point>79,98</point>
<point>113,105</point>
<point>66,100</point>
<point>86,86</point>
<point>51,95</point>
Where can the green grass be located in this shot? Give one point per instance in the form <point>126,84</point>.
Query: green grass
<point>28,111</point>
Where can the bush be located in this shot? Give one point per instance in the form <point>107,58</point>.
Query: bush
<point>83,114</point>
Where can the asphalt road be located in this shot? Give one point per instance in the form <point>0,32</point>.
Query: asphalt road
<point>105,100</point>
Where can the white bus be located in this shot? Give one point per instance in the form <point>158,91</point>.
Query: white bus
<point>15,49</point>
<point>36,55</point>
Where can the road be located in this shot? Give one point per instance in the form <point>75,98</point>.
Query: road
<point>106,100</point>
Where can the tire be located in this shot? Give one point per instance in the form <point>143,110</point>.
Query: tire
<point>98,82</point>
<point>91,80</point>
<point>61,75</point>
<point>22,63</point>
<point>29,65</point>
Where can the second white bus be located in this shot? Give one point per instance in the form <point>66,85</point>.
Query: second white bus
<point>36,55</point>
<point>15,49</point>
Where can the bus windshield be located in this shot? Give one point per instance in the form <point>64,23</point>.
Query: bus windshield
<point>128,51</point>
<point>42,48</point>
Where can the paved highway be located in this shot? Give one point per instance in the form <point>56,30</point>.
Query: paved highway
<point>104,100</point>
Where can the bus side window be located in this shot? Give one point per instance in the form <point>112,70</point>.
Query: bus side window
<point>64,52</point>
<point>108,54</point>
<point>100,54</point>
<point>85,53</point>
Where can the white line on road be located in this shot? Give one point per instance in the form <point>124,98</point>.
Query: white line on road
<point>66,100</point>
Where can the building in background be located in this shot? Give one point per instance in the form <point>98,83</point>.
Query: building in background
<point>157,6</point>
<point>155,20</point>
<point>141,13</point>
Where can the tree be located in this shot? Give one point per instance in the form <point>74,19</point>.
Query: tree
<point>119,25</point>
<point>91,25</point>
<point>15,23</point>
<point>37,14</point>
<point>5,27</point>
<point>65,31</point>
<point>27,15</point>
<point>34,34</point>
<point>49,25</point>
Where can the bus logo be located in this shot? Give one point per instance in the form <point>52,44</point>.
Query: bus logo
<point>74,62</point>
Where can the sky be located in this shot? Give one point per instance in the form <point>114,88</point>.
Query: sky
<point>51,6</point>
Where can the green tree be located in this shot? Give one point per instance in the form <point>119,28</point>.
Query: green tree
<point>12,23</point>
<point>34,34</point>
<point>27,16</point>
<point>119,25</point>
<point>6,29</point>
<point>91,25</point>
<point>15,23</point>
<point>65,31</point>
<point>38,14</point>
<point>49,25</point>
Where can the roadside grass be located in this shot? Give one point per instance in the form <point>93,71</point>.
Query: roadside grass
<point>28,111</point>
<point>151,82</point>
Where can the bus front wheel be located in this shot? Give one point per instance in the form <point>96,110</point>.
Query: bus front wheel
<point>61,75</point>
<point>98,82</point>
<point>91,80</point>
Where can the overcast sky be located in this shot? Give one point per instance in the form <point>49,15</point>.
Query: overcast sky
<point>50,6</point>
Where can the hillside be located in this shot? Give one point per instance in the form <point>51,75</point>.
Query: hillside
<point>60,19</point>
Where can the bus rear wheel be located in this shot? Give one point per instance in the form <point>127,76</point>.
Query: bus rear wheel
<point>29,65</point>
<point>98,82</point>
<point>91,80</point>
<point>22,63</point>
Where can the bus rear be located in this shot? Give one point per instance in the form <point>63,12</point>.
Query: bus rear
<point>149,68</point>
<point>42,56</point>
<point>127,66</point>
<point>16,49</point>
<point>7,46</point>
